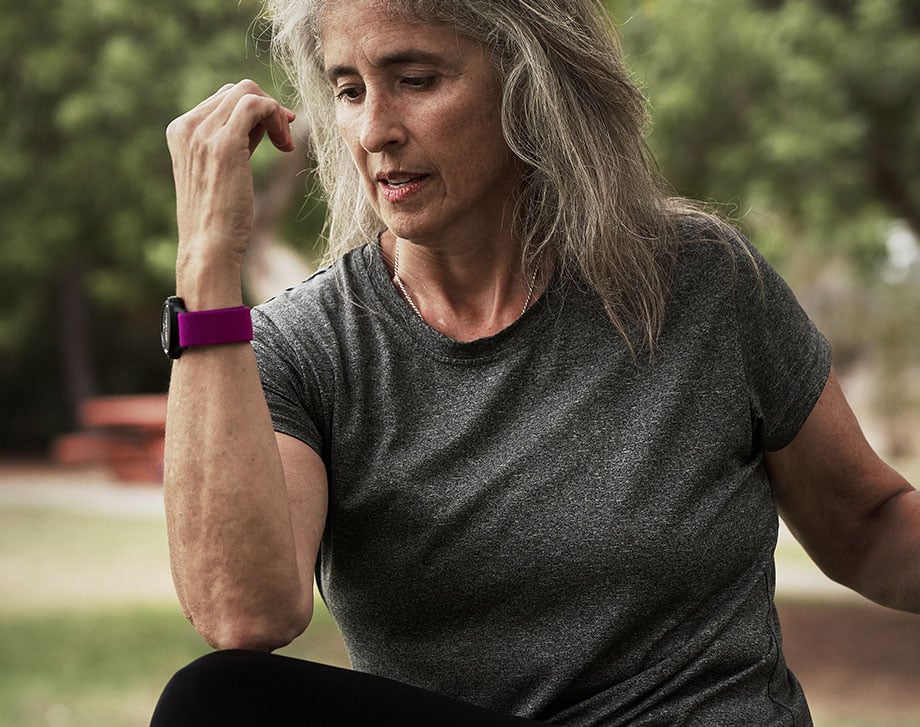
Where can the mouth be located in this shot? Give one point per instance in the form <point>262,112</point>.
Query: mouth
<point>400,187</point>
<point>399,180</point>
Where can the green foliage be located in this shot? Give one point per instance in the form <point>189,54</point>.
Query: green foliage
<point>87,230</point>
<point>801,110</point>
<point>801,117</point>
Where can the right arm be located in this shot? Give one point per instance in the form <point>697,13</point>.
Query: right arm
<point>245,507</point>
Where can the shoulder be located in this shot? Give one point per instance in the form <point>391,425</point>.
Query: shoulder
<point>715,259</point>
<point>322,296</point>
<point>350,270</point>
<point>720,276</point>
<point>707,240</point>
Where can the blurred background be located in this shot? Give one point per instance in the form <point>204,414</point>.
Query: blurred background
<point>797,118</point>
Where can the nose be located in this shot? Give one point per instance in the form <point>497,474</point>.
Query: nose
<point>382,124</point>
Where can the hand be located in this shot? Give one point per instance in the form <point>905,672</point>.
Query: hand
<point>211,147</point>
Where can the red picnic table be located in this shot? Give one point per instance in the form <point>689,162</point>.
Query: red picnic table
<point>123,433</point>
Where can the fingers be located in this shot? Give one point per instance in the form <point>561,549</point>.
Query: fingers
<point>247,112</point>
<point>242,110</point>
<point>255,115</point>
<point>279,129</point>
<point>211,146</point>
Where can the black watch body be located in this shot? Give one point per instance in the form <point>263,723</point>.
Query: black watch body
<point>169,326</point>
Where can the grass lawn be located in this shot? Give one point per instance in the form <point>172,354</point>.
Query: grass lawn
<point>89,627</point>
<point>107,666</point>
<point>98,667</point>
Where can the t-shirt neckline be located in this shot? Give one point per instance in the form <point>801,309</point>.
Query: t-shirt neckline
<point>433,340</point>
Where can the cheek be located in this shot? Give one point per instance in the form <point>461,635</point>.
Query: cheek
<point>471,137</point>
<point>349,132</point>
<point>484,152</point>
<point>347,135</point>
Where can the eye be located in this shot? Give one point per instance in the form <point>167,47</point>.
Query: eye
<point>418,82</point>
<point>348,94</point>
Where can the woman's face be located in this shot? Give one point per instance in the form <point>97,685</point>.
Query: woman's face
<point>419,107</point>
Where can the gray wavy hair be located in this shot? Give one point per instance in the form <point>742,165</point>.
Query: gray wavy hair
<point>591,197</point>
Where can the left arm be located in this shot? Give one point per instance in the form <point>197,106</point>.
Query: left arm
<point>857,518</point>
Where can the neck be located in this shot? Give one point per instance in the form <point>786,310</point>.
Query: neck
<point>465,293</point>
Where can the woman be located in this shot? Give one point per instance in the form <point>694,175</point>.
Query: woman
<point>531,425</point>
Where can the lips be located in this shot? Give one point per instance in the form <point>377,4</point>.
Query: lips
<point>396,187</point>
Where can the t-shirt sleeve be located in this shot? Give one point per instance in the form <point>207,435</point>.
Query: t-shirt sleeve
<point>786,359</point>
<point>291,387</point>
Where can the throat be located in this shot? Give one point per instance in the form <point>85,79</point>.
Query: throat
<point>464,323</point>
<point>467,330</point>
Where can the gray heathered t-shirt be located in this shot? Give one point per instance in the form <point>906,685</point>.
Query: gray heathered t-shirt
<point>538,523</point>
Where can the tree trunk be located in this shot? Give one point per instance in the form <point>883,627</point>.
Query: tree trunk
<point>77,371</point>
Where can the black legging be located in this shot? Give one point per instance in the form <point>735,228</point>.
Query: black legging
<point>254,689</point>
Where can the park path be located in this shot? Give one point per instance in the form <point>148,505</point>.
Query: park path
<point>89,490</point>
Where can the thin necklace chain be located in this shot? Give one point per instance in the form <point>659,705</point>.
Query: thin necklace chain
<point>399,282</point>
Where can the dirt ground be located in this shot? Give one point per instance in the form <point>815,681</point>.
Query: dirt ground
<point>854,658</point>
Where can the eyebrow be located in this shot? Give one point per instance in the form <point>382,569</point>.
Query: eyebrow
<point>410,55</point>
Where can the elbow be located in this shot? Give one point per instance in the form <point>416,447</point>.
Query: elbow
<point>260,632</point>
<point>251,637</point>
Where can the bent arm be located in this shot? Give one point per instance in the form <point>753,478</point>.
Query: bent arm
<point>244,507</point>
<point>857,517</point>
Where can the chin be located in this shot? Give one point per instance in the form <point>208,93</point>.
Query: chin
<point>413,230</point>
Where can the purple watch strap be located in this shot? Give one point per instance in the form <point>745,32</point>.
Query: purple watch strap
<point>208,327</point>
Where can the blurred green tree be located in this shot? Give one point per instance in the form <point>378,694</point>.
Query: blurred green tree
<point>87,230</point>
<point>803,110</point>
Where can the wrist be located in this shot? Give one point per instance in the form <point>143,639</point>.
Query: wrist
<point>206,286</point>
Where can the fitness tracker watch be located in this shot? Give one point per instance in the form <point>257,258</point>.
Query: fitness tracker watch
<point>180,329</point>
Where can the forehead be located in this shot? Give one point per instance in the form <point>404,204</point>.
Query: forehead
<point>339,15</point>
<point>367,29</point>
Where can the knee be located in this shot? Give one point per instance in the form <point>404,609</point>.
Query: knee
<point>210,690</point>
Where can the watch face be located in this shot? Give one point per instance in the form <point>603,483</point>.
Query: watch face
<point>169,326</point>
<point>165,328</point>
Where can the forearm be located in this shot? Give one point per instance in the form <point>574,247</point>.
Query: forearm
<point>856,516</point>
<point>231,544</point>
<point>888,570</point>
